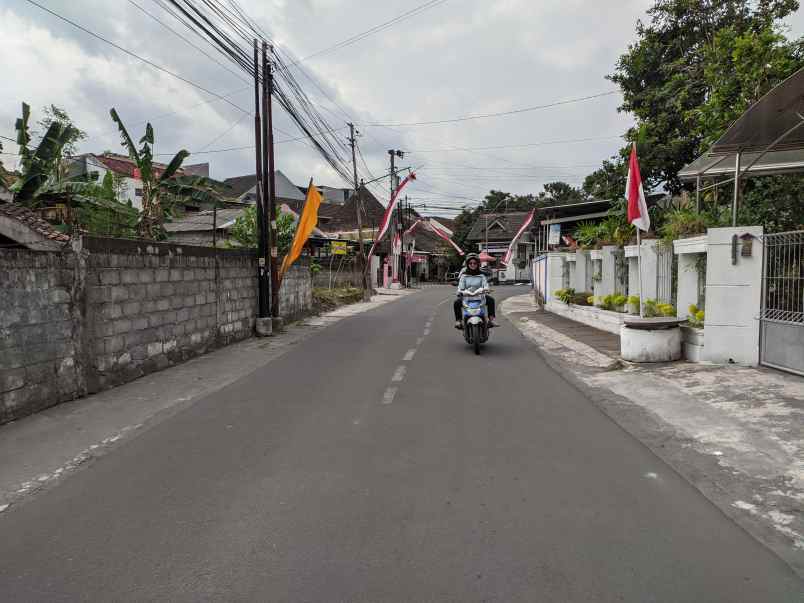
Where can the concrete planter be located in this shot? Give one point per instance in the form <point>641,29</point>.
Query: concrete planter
<point>692,343</point>
<point>650,345</point>
<point>588,315</point>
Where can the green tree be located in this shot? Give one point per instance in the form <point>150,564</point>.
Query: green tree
<point>156,184</point>
<point>739,67</point>
<point>40,167</point>
<point>244,230</point>
<point>53,114</point>
<point>664,80</point>
<point>561,193</point>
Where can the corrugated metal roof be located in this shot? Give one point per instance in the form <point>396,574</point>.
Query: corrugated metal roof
<point>203,220</point>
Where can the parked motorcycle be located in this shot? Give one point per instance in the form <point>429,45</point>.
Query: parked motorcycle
<point>475,318</point>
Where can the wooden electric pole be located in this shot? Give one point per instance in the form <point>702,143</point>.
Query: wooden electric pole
<point>262,275</point>
<point>267,101</point>
<point>361,253</point>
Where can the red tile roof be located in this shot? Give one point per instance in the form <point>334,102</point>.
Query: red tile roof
<point>126,166</point>
<point>32,221</point>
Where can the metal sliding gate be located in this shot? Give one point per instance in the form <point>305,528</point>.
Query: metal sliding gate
<point>782,314</point>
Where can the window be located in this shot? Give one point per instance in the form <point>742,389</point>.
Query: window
<point>521,250</point>
<point>138,192</point>
<point>94,175</point>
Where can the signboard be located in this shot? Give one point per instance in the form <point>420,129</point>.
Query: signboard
<point>339,248</point>
<point>555,234</point>
<point>418,259</point>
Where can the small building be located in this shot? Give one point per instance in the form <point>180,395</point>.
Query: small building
<point>95,167</point>
<point>493,233</point>
<point>21,228</point>
<point>244,188</point>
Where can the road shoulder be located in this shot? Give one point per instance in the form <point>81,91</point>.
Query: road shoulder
<point>40,450</point>
<point>735,433</point>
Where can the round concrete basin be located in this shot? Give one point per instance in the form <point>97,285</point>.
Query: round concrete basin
<point>650,345</point>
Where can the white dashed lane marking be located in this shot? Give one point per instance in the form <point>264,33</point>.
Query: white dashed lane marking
<point>409,355</point>
<point>389,394</point>
<point>399,373</point>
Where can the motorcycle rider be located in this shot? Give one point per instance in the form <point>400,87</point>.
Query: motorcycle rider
<point>472,279</point>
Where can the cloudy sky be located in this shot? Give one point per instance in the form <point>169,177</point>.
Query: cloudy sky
<point>457,58</point>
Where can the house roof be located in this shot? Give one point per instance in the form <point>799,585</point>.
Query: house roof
<point>240,185</point>
<point>501,226</point>
<point>448,222</point>
<point>121,164</point>
<point>203,220</point>
<point>23,226</point>
<point>285,189</point>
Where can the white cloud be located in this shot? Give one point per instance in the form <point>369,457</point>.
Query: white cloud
<point>458,58</point>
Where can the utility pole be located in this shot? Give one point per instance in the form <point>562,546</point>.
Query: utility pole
<point>267,101</point>
<point>361,253</point>
<point>263,319</point>
<point>397,226</point>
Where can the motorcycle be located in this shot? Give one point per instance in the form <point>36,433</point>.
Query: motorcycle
<point>475,318</point>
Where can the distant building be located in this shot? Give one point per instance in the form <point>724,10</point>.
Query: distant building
<point>95,167</point>
<point>244,188</point>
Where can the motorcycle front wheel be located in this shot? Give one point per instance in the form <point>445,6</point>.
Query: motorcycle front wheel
<point>476,334</point>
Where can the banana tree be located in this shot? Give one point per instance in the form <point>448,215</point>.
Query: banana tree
<point>155,183</point>
<point>40,167</point>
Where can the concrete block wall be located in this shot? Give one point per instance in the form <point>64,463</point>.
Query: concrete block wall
<point>151,306</point>
<point>112,310</point>
<point>296,292</point>
<point>39,353</point>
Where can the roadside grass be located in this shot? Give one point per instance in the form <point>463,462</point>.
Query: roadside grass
<point>325,299</point>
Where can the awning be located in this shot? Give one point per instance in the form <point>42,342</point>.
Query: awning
<point>767,120</point>
<point>772,163</point>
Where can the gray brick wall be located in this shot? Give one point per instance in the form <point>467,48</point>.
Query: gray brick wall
<point>39,354</point>
<point>83,321</point>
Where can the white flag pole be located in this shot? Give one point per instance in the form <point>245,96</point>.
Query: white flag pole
<point>639,269</point>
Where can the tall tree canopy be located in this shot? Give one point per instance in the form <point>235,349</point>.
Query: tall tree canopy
<point>696,65</point>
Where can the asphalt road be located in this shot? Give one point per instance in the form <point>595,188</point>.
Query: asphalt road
<point>477,479</point>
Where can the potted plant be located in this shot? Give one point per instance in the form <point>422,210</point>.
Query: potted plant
<point>633,304</point>
<point>618,302</point>
<point>696,317</point>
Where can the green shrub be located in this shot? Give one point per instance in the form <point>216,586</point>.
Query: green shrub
<point>650,308</point>
<point>619,300</point>
<point>633,299</point>
<point>565,295</point>
<point>696,317</point>
<point>667,309</point>
<point>591,300</point>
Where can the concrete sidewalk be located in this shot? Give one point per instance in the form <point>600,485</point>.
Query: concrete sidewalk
<point>737,433</point>
<point>38,450</point>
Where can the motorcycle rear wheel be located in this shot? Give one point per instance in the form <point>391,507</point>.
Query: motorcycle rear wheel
<point>476,334</point>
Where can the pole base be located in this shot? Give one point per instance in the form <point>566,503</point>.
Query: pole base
<point>264,327</point>
<point>396,285</point>
<point>278,323</point>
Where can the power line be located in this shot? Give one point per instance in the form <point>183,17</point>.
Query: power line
<point>181,37</point>
<point>377,28</point>
<point>136,56</point>
<point>518,146</point>
<point>497,114</point>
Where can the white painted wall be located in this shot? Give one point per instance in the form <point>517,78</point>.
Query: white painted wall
<point>583,272</point>
<point>733,298</point>
<point>93,165</point>
<point>555,273</point>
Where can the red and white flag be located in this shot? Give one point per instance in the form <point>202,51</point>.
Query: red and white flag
<point>637,207</point>
<point>437,231</point>
<point>522,229</point>
<point>386,218</point>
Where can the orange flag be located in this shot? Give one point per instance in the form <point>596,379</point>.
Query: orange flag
<point>307,222</point>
